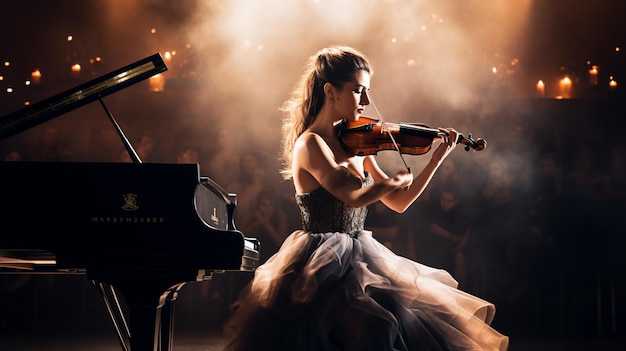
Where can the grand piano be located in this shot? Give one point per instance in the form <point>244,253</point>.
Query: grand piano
<point>140,229</point>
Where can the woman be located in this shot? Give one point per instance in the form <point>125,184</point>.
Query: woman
<point>332,286</point>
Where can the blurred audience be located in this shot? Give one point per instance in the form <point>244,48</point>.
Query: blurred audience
<point>248,183</point>
<point>50,146</point>
<point>105,144</point>
<point>268,223</point>
<point>385,226</point>
<point>445,233</point>
<point>15,155</point>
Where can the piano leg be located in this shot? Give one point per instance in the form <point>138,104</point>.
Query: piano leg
<point>150,305</point>
<point>115,312</point>
<point>152,327</point>
<point>165,318</point>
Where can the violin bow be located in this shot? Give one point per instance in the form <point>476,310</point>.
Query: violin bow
<point>393,139</point>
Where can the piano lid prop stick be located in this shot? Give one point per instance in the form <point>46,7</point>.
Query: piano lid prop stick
<point>131,151</point>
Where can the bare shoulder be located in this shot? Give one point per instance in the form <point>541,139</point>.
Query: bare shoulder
<point>308,139</point>
<point>308,150</point>
<point>310,143</point>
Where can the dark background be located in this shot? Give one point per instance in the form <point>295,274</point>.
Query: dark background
<point>472,65</point>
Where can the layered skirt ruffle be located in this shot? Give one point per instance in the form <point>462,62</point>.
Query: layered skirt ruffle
<point>334,291</point>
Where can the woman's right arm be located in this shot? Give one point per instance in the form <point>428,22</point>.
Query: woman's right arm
<point>314,158</point>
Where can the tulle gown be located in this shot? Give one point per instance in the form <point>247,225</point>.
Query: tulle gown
<point>332,286</point>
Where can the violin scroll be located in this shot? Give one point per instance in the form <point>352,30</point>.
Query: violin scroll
<point>477,145</point>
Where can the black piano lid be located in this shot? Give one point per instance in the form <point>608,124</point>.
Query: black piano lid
<point>81,95</point>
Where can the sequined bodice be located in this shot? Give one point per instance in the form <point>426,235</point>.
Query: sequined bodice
<point>323,213</point>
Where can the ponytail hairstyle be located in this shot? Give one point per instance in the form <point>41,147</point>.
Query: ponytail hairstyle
<point>335,65</point>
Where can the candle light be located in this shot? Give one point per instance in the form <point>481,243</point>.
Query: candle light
<point>612,83</point>
<point>566,87</point>
<point>157,82</point>
<point>76,70</point>
<point>593,75</point>
<point>36,76</point>
<point>541,88</point>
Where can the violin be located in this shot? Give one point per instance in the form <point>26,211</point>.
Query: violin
<point>368,136</point>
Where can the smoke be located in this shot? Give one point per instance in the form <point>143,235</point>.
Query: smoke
<point>428,57</point>
<point>421,50</point>
<point>232,63</point>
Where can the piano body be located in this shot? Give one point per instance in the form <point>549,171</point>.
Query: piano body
<point>143,229</point>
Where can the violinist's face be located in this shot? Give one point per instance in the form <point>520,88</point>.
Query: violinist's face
<point>351,100</point>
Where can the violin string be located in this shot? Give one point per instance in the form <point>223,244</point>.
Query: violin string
<point>393,140</point>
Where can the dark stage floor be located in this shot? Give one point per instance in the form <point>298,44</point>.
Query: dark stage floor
<point>65,313</point>
<point>196,341</point>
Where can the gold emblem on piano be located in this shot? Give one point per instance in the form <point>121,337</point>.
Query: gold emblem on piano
<point>130,202</point>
